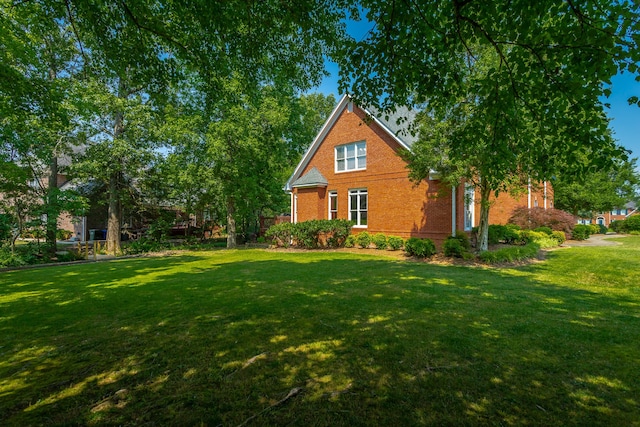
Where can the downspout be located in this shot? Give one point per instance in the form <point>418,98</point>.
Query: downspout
<point>291,209</point>
<point>529,194</point>
<point>453,211</point>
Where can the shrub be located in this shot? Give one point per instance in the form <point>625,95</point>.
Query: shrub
<point>363,239</point>
<point>545,230</point>
<point>632,223</point>
<point>380,240</point>
<point>5,227</point>
<point>539,217</point>
<point>617,226</point>
<point>508,234</point>
<point>350,241</point>
<point>421,248</point>
<point>310,234</point>
<point>280,234</point>
<point>559,236</point>
<point>140,246</point>
<point>453,248</point>
<point>581,232</point>
<point>594,229</point>
<point>63,234</point>
<point>496,233</point>
<point>457,246</point>
<point>395,242</point>
<point>337,231</point>
<point>602,229</point>
<point>511,254</point>
<point>635,233</point>
<point>72,255</point>
<point>10,259</point>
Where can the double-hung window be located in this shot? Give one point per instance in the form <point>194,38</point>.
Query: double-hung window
<point>358,207</point>
<point>469,206</point>
<point>351,157</point>
<point>333,205</point>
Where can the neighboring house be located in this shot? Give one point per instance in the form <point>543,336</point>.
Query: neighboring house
<point>352,171</point>
<point>617,214</point>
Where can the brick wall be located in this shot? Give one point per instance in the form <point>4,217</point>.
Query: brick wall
<point>396,205</point>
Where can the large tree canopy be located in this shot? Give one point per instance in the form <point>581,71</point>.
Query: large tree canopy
<point>134,56</point>
<point>511,90</point>
<point>599,190</point>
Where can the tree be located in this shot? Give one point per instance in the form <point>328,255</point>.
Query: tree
<point>516,85</point>
<point>598,190</point>
<point>140,47</point>
<point>37,108</point>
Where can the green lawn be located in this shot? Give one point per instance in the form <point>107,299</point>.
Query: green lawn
<point>220,338</point>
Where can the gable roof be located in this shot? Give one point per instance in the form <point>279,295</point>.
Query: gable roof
<point>313,178</point>
<point>396,124</point>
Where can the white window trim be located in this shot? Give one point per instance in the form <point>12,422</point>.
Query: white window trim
<point>332,194</point>
<point>359,191</point>
<point>335,157</point>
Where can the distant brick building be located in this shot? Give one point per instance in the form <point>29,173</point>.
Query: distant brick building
<point>617,214</point>
<point>352,171</point>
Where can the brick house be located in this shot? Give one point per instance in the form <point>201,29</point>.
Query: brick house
<point>352,170</point>
<point>617,214</point>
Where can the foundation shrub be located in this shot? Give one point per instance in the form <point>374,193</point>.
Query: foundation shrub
<point>350,241</point>
<point>395,243</point>
<point>310,234</point>
<point>457,246</point>
<point>380,240</point>
<point>363,239</point>
<point>280,234</point>
<point>421,248</point>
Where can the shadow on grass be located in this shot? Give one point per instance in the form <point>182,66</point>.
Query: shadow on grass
<point>215,339</point>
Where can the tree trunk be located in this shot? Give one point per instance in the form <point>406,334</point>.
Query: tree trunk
<point>483,229</point>
<point>113,222</point>
<point>52,206</point>
<point>231,223</point>
<point>115,212</point>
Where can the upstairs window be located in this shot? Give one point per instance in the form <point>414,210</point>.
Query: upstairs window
<point>351,157</point>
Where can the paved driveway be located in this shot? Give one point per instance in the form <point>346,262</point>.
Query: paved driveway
<point>595,240</point>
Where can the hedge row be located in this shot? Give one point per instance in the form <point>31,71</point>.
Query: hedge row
<point>511,234</point>
<point>319,233</point>
<point>379,240</point>
<point>628,225</point>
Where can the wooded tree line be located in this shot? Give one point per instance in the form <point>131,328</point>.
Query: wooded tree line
<point>196,105</point>
<point>200,102</point>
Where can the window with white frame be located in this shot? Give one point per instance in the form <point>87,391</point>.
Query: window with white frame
<point>333,205</point>
<point>351,157</point>
<point>469,206</point>
<point>358,207</point>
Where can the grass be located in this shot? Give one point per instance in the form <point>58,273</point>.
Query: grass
<point>222,338</point>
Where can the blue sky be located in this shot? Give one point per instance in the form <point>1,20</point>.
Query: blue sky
<point>625,118</point>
